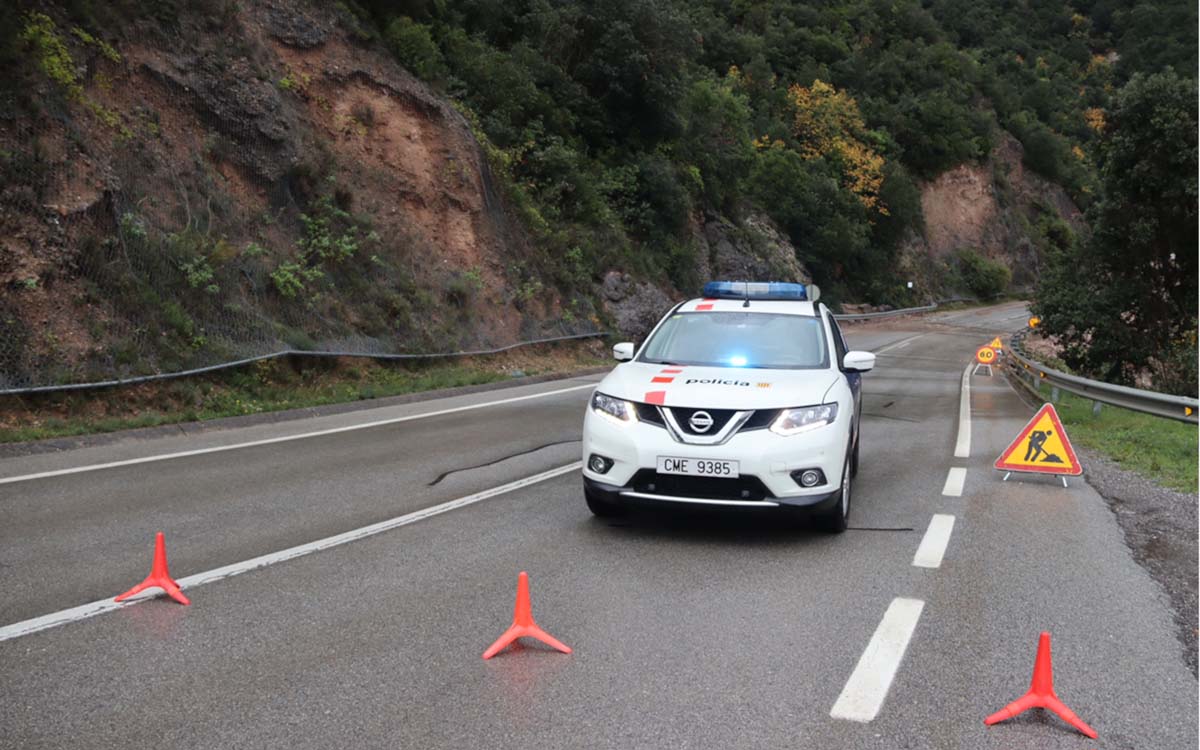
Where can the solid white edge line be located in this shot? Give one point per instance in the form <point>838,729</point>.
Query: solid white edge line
<point>865,691</point>
<point>84,611</point>
<point>962,449</point>
<point>933,544</point>
<point>284,438</point>
<point>955,479</point>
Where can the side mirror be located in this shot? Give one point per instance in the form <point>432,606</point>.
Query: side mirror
<point>858,362</point>
<point>623,352</point>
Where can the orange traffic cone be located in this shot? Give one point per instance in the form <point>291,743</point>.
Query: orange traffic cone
<point>523,624</point>
<point>159,575</point>
<point>1041,694</point>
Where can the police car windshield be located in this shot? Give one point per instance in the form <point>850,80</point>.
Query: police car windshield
<point>739,339</point>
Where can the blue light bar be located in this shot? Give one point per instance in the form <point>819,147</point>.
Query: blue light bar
<point>761,290</point>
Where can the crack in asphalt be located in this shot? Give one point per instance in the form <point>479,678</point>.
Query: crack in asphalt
<point>445,474</point>
<point>889,416</point>
<point>880,528</point>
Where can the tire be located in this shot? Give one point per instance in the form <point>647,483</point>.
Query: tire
<point>600,507</point>
<point>834,520</point>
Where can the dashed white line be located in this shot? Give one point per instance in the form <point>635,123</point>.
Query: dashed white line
<point>955,480</point>
<point>868,686</point>
<point>285,438</point>
<point>933,544</point>
<point>962,449</point>
<point>84,611</point>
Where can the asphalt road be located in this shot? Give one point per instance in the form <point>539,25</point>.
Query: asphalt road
<point>701,630</point>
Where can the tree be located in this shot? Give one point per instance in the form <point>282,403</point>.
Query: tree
<point>716,138</point>
<point>1126,299</point>
<point>828,125</point>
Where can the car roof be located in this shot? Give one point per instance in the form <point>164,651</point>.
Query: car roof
<point>785,307</point>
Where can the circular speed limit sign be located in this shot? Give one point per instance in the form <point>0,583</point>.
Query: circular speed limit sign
<point>985,355</point>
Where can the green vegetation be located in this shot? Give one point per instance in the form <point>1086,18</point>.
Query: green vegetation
<point>985,277</point>
<point>615,124</point>
<point>40,36</point>
<point>1161,449</point>
<point>1123,302</point>
<point>264,387</point>
<point>52,55</point>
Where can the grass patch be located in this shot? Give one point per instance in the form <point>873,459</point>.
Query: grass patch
<point>266,387</point>
<point>1160,449</point>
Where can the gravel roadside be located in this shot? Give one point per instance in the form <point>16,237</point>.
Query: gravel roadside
<point>1160,528</point>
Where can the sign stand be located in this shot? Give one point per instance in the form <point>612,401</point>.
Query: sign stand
<point>1008,474</point>
<point>981,365</point>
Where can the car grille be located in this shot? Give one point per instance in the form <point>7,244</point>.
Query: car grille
<point>683,416</point>
<point>745,487</point>
<point>649,413</point>
<point>759,420</point>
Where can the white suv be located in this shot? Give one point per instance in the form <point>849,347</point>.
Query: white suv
<point>746,397</point>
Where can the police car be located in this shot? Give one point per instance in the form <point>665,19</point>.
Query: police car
<point>747,397</point>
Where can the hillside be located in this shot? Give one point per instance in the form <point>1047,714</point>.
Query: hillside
<point>187,184</point>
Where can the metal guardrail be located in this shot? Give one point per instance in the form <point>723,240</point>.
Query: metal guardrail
<point>287,353</point>
<point>388,357</point>
<point>902,311</point>
<point>1180,408</point>
<point>886,313</point>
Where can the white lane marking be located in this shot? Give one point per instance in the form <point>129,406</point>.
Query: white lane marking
<point>962,449</point>
<point>899,344</point>
<point>868,685</point>
<point>955,480</point>
<point>933,544</point>
<point>84,611</point>
<point>284,438</point>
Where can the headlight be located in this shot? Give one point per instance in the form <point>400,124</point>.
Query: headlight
<point>614,409</point>
<point>803,419</point>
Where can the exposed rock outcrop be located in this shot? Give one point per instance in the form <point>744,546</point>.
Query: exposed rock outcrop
<point>756,250</point>
<point>990,207</point>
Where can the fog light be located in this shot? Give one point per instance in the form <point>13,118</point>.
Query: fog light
<point>599,464</point>
<point>809,477</point>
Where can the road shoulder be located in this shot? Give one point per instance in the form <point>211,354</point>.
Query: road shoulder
<point>1159,526</point>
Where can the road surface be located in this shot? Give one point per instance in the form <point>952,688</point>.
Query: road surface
<point>705,630</point>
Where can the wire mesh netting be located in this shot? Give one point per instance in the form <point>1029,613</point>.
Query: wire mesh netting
<point>174,212</point>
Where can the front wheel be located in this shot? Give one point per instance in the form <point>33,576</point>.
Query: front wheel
<point>835,519</point>
<point>600,507</point>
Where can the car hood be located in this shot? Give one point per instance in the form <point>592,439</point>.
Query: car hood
<point>717,387</point>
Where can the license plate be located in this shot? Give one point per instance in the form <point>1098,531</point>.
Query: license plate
<point>697,467</point>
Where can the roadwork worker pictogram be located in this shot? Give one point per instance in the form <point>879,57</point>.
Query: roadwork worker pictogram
<point>1041,447</point>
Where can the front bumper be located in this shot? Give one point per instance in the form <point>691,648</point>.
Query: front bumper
<point>766,462</point>
<point>631,496</point>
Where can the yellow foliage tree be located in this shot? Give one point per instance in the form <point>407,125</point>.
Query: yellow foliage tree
<point>828,124</point>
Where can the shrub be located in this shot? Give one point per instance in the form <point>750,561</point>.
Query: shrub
<point>412,43</point>
<point>985,278</point>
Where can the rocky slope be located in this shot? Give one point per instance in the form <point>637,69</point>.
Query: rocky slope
<point>214,186</point>
<point>998,208</point>
<point>205,186</point>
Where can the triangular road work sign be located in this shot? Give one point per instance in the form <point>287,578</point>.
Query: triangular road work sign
<point>1042,447</point>
<point>996,343</point>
